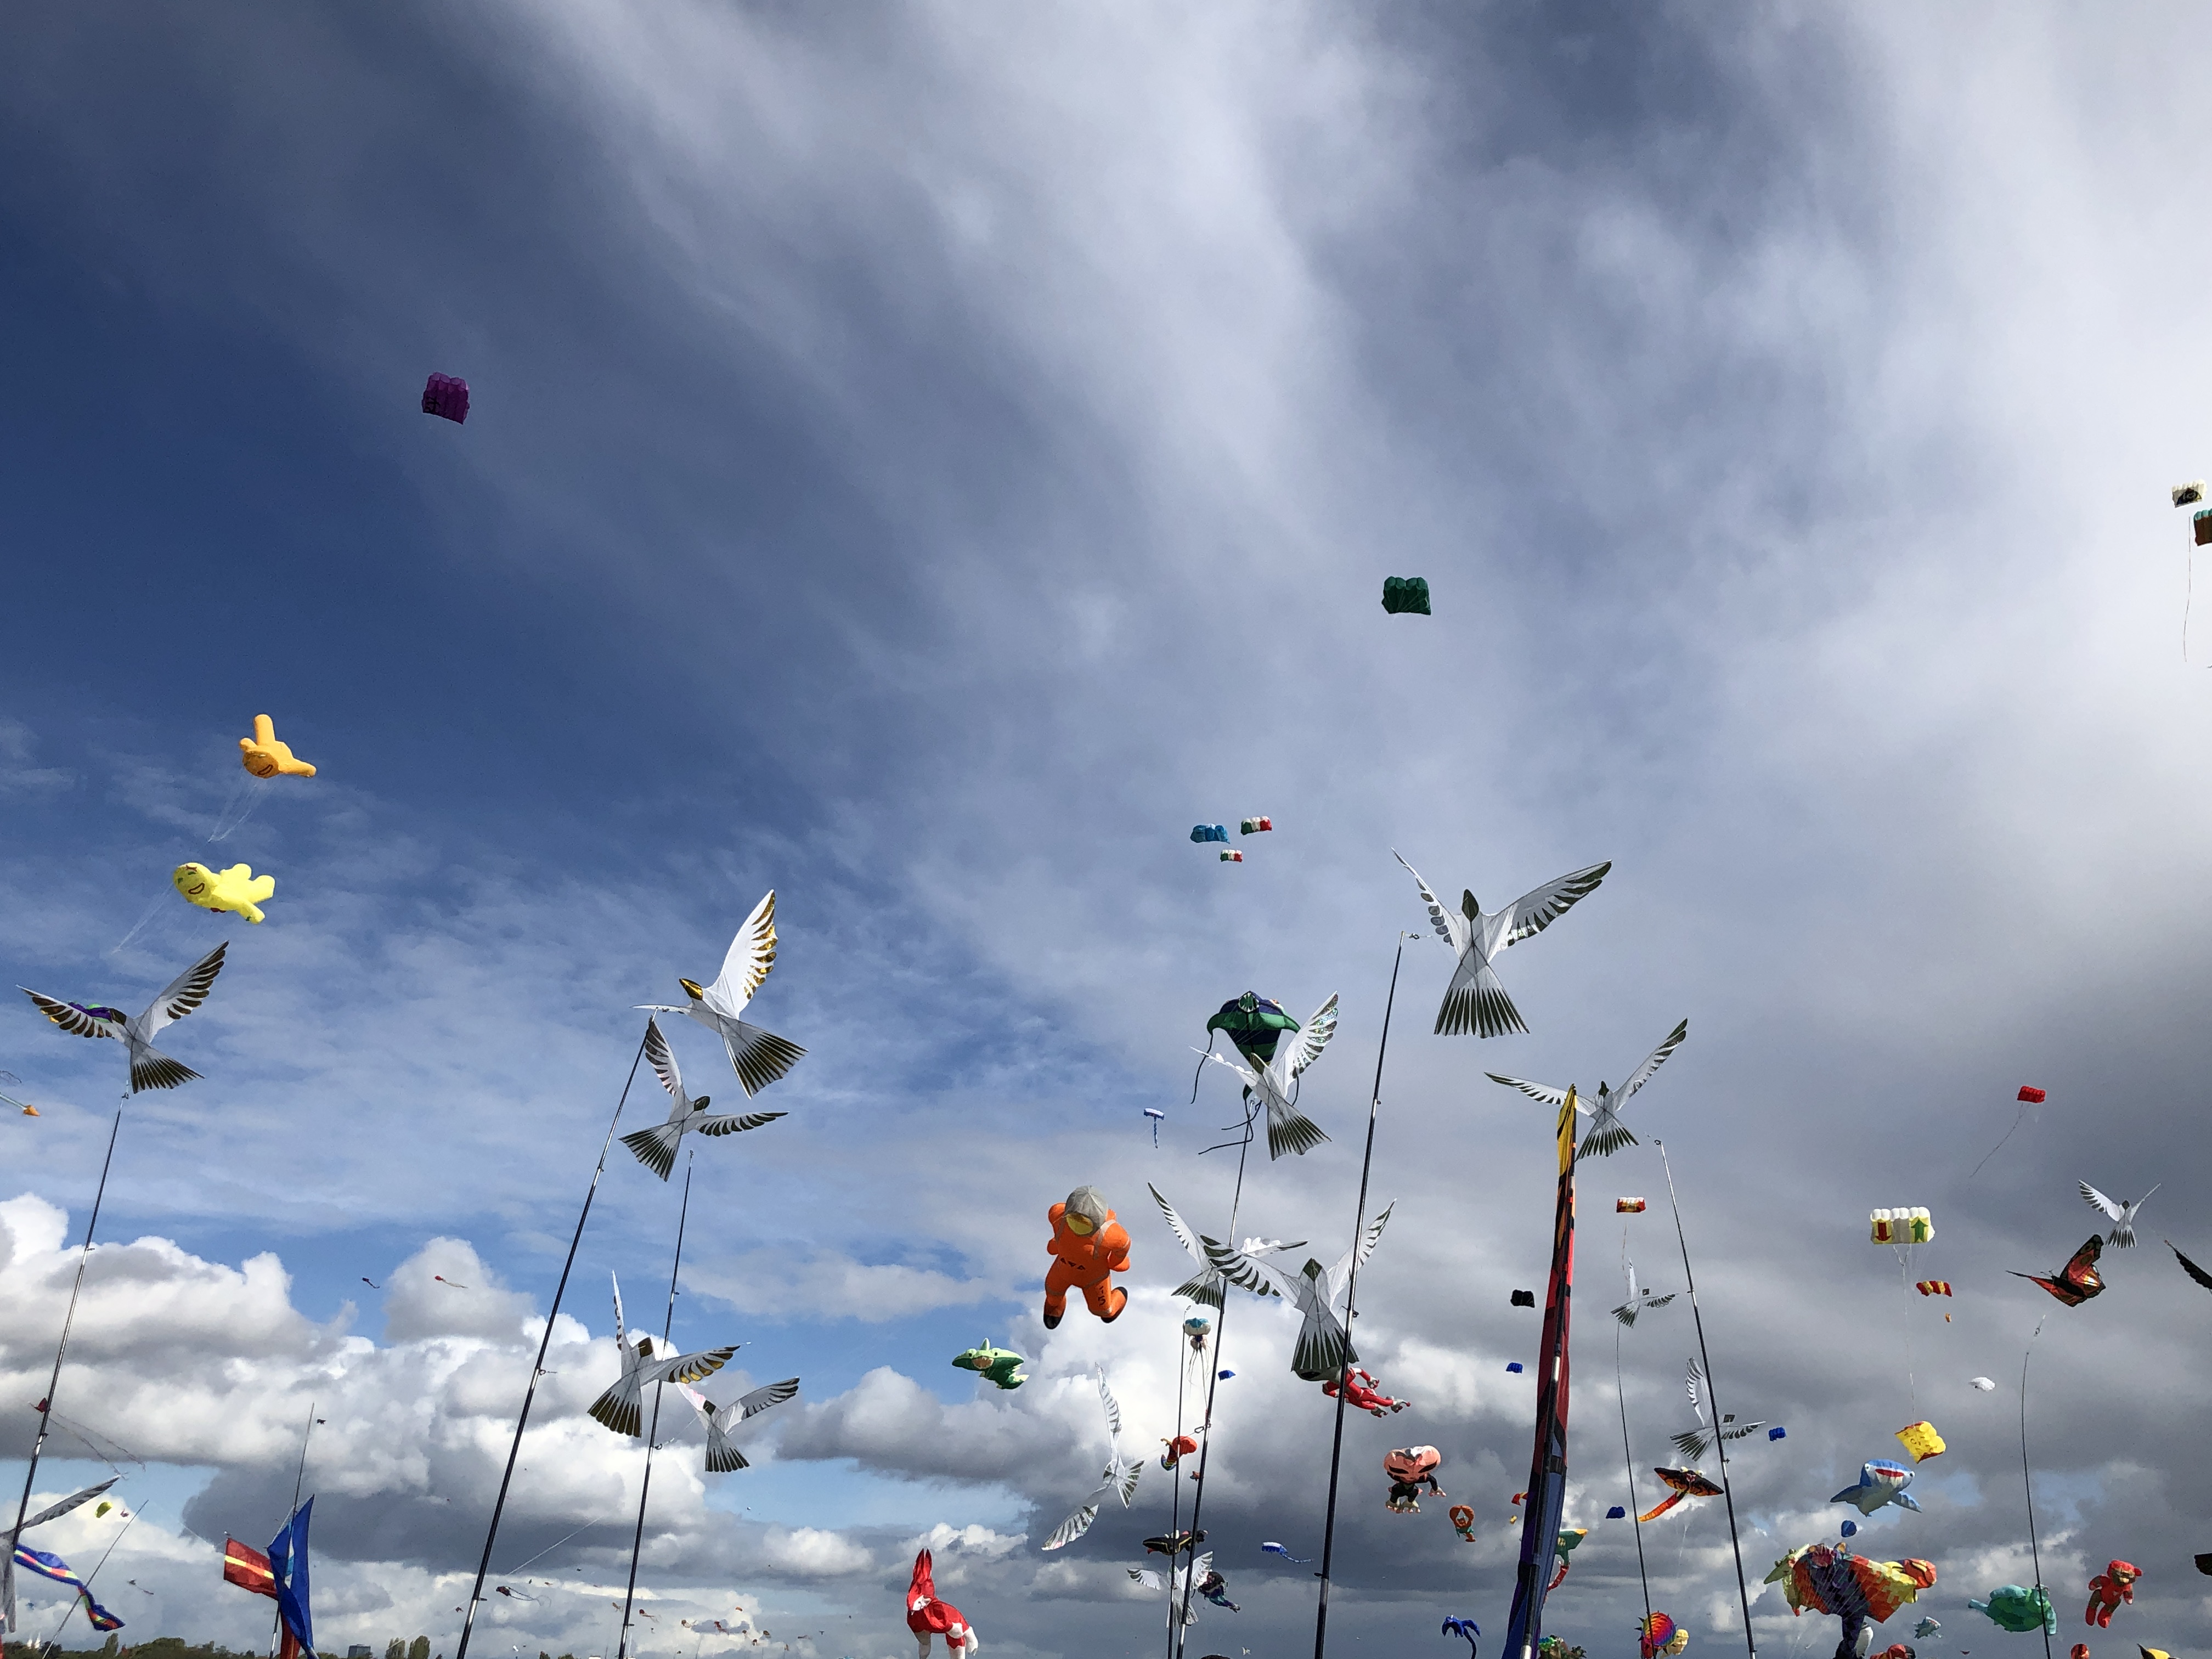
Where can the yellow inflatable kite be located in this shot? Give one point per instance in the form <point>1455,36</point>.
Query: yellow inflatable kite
<point>266,757</point>
<point>235,889</point>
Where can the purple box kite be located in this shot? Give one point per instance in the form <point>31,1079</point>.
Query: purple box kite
<point>446,395</point>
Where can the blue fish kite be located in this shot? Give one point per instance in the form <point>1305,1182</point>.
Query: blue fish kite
<point>1277,1549</point>
<point>1879,1483</point>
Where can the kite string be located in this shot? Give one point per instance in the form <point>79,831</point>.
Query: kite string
<point>2033,1552</point>
<point>653,1430</point>
<point>1627,1455</point>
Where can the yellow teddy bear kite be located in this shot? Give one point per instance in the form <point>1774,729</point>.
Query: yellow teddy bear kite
<point>235,889</point>
<point>266,757</point>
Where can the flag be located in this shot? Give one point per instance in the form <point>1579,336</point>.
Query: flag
<point>287,1564</point>
<point>53,1567</point>
<point>248,1568</point>
<point>1548,1465</point>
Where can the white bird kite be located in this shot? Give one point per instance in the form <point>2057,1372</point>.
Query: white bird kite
<point>1205,1285</point>
<point>1289,1130</point>
<point>618,1408</point>
<point>2120,1214</point>
<point>1607,1133</point>
<point>760,1057</point>
<point>722,1456</point>
<point>150,1067</point>
<point>1323,1348</point>
<point>1640,1301</point>
<point>655,1148</point>
<point>1184,1576</point>
<point>1120,1478</point>
<point>1475,1001</point>
<point>1693,1443</point>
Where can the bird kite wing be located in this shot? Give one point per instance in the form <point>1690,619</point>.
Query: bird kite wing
<point>63,1508</point>
<point>2189,1267</point>
<point>2097,1200</point>
<point>186,992</point>
<point>686,1367</point>
<point>1535,911</point>
<point>1245,1272</point>
<point>76,1021</point>
<point>706,1408</point>
<point>1184,1236</point>
<point>1315,1037</point>
<point>1543,1091</point>
<point>622,1340</point>
<point>663,1061</point>
<point>731,1123</point>
<point>1653,1061</point>
<point>752,954</point>
<point>1340,1274</point>
<point>773,1393</point>
<point>1113,1414</point>
<point>1074,1527</point>
<point>1450,926</point>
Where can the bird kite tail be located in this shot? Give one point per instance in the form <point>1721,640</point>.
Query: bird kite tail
<point>1494,1008</point>
<point>1293,1132</point>
<point>1661,1507</point>
<point>655,1148</point>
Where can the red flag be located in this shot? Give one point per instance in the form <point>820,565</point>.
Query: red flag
<point>248,1568</point>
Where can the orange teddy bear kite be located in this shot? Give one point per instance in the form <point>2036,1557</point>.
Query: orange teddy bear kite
<point>2116,1584</point>
<point>1088,1246</point>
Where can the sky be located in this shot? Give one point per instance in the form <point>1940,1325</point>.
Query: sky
<point>920,461</point>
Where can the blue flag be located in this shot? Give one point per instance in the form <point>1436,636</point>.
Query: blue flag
<point>287,1559</point>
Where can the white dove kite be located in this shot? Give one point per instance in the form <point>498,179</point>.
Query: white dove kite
<point>2120,1214</point>
<point>1323,1348</point>
<point>1640,1301</point>
<point>1607,1133</point>
<point>1475,1000</point>
<point>1205,1285</point>
<point>1694,1444</point>
<point>618,1406</point>
<point>655,1148</point>
<point>1120,1478</point>
<point>150,1067</point>
<point>759,1057</point>
<point>722,1454</point>
<point>1289,1130</point>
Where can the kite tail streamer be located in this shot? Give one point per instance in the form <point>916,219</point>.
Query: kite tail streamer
<point>1547,1459</point>
<point>2033,1553</point>
<point>1351,1305</point>
<point>1658,1510</point>
<point>522,1421</point>
<point>1712,1399</point>
<point>53,1382</point>
<point>653,1430</point>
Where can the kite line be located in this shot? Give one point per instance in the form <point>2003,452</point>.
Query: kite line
<point>53,1382</point>
<point>2034,1554</point>
<point>1350,1308</point>
<point>645,1486</point>
<point>499,1504</point>
<point>1712,1396</point>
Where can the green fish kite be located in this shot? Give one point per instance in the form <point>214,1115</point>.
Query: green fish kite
<point>1000,1365</point>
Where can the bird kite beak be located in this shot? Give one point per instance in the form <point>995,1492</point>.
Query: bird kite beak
<point>691,989</point>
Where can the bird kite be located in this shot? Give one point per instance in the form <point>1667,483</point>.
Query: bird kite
<point>1694,1444</point>
<point>759,1057</point>
<point>237,889</point>
<point>655,1148</point>
<point>1289,1130</point>
<point>150,1067</point>
<point>1002,1366</point>
<point>2121,1214</point>
<point>266,757</point>
<point>2077,1281</point>
<point>1880,1482</point>
<point>722,1456</point>
<point>1680,1483</point>
<point>1118,1479</point>
<point>1205,1285</point>
<point>1476,1001</point>
<point>1640,1301</point>
<point>617,1408</point>
<point>1324,1347</point>
<point>1607,1133</point>
<point>2189,1267</point>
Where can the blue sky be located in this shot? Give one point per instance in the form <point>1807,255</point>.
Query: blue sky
<point>922,461</point>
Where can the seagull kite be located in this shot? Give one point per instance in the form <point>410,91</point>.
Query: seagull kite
<point>150,1067</point>
<point>1475,1000</point>
<point>1694,1443</point>
<point>1119,1478</point>
<point>722,1456</point>
<point>1642,1301</point>
<point>618,1407</point>
<point>655,1148</point>
<point>2120,1214</point>
<point>760,1057</point>
<point>1324,1347</point>
<point>1289,1130</point>
<point>1205,1285</point>
<point>1607,1134</point>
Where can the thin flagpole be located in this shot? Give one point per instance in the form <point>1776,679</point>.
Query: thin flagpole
<point>1712,1399</point>
<point>652,1429</point>
<point>1179,1634</point>
<point>2034,1554</point>
<point>1175,1504</point>
<point>53,1382</point>
<point>1628,1457</point>
<point>522,1421</point>
<point>1351,1305</point>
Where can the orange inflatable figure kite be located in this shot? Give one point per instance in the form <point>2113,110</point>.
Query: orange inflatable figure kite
<point>2116,1584</point>
<point>926,1616</point>
<point>1088,1247</point>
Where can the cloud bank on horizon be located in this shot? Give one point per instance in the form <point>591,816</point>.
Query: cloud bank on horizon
<point>923,462</point>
